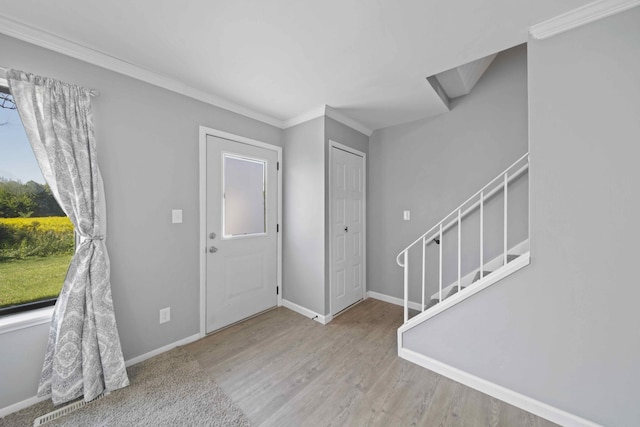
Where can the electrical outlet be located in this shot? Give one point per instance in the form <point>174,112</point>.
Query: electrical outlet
<point>406,215</point>
<point>165,315</point>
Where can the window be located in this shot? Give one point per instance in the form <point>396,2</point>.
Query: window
<point>36,238</point>
<point>244,196</point>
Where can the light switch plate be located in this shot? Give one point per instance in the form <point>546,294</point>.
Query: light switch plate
<point>165,315</point>
<point>176,216</point>
<point>406,215</point>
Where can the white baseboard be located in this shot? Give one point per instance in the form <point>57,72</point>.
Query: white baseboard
<point>393,300</point>
<point>21,405</point>
<point>161,350</point>
<point>306,312</point>
<point>504,394</point>
<point>33,400</point>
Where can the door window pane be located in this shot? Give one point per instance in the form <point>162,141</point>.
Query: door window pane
<point>244,196</point>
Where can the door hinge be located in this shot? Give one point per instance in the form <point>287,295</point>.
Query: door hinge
<point>277,228</point>
<point>277,290</point>
<point>277,165</point>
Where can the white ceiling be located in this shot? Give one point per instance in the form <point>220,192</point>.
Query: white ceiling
<point>281,59</point>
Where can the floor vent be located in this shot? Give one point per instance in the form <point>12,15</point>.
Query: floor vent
<point>54,415</point>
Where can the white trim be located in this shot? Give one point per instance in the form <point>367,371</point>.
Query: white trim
<point>521,248</point>
<point>325,319</point>
<point>515,265</point>
<point>580,16</point>
<point>204,131</point>
<point>504,394</point>
<point>304,117</point>
<point>58,44</point>
<point>493,265</point>
<point>327,111</point>
<point>39,37</point>
<point>35,399</point>
<point>27,319</point>
<point>392,300</point>
<point>163,349</point>
<point>345,120</point>
<point>202,197</point>
<point>22,404</point>
<point>306,312</point>
<point>334,144</point>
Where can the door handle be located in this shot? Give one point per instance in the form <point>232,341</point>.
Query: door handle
<point>346,229</point>
<point>213,250</point>
<point>212,236</point>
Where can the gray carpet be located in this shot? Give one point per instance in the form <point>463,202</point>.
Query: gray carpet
<point>168,390</point>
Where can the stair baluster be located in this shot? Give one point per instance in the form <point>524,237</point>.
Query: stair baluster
<point>436,235</point>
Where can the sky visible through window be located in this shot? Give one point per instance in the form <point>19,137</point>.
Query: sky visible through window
<point>17,161</point>
<point>36,238</point>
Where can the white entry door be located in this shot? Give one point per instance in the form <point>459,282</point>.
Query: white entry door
<point>241,221</point>
<point>347,228</point>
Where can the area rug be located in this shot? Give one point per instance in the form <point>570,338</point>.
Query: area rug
<point>168,390</point>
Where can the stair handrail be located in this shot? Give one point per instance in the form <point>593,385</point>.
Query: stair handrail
<point>464,203</point>
<point>473,206</point>
<point>439,225</point>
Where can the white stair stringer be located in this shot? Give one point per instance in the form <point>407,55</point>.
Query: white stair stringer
<point>490,266</point>
<point>497,275</point>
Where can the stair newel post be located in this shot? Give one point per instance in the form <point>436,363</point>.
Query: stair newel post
<point>506,182</point>
<point>440,269</point>
<point>424,250</point>
<point>459,248</point>
<point>405,262</point>
<point>481,234</point>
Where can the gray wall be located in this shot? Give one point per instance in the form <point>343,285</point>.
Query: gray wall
<point>565,329</point>
<point>21,359</point>
<point>343,134</point>
<point>306,216</point>
<point>303,217</point>
<point>429,167</point>
<point>148,153</point>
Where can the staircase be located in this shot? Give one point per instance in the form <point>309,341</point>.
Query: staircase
<point>468,248</point>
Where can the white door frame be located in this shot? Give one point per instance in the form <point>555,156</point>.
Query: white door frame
<point>334,144</point>
<point>204,131</point>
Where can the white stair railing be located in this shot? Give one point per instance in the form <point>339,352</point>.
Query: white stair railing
<point>454,218</point>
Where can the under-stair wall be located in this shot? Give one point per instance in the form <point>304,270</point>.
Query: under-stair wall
<point>560,337</point>
<point>493,241</point>
<point>429,167</point>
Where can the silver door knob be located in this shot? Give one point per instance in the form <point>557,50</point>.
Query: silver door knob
<point>213,249</point>
<point>212,236</point>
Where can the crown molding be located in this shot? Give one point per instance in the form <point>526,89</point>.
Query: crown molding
<point>583,15</point>
<point>346,120</point>
<point>305,117</point>
<point>66,47</point>
<point>38,37</point>
<point>325,110</point>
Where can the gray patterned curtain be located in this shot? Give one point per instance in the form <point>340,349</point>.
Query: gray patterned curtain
<point>84,357</point>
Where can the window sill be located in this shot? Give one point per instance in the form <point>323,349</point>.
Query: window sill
<point>15,322</point>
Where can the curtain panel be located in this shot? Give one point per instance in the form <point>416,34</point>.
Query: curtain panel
<point>84,355</point>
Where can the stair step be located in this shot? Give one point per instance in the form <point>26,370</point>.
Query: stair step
<point>435,301</point>
<point>477,276</point>
<point>453,291</point>
<point>431,304</point>
<point>510,257</point>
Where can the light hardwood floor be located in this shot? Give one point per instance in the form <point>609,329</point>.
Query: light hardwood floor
<point>284,369</point>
